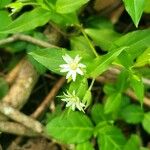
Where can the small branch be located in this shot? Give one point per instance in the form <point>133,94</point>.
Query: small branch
<point>107,79</point>
<point>9,40</point>
<point>26,38</point>
<point>17,116</point>
<point>16,128</point>
<point>46,102</point>
<point>113,71</point>
<point>133,96</point>
<point>11,76</point>
<point>89,42</point>
<point>21,89</point>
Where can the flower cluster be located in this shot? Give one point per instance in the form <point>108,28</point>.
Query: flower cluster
<point>72,68</point>
<point>73,101</point>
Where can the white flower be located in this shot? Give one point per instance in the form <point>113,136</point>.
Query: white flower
<point>73,67</point>
<point>73,101</point>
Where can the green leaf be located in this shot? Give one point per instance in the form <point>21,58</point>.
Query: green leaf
<point>133,143</point>
<point>111,138</point>
<point>138,87</point>
<point>15,7</point>
<point>132,114</point>
<point>87,98</point>
<point>84,146</point>
<point>3,87</point>
<point>98,114</point>
<point>70,128</point>
<point>39,68</point>
<point>101,64</point>
<point>45,4</point>
<point>143,59</point>
<point>51,115</point>
<point>122,81</point>
<point>64,19</point>
<point>80,87</point>
<point>146,122</point>
<point>137,42</point>
<point>113,102</point>
<point>144,148</point>
<point>126,59</point>
<point>109,89</point>
<point>80,43</point>
<point>4,20</point>
<point>103,38</point>
<point>135,9</point>
<point>147,6</point>
<point>3,3</point>
<point>99,22</point>
<point>51,58</point>
<point>28,21</point>
<point>68,6</point>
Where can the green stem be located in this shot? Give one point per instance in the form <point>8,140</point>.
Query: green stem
<point>93,80</point>
<point>89,42</point>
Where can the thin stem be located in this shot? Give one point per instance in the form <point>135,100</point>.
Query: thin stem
<point>93,80</point>
<point>89,42</point>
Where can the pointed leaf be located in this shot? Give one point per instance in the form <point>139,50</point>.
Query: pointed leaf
<point>3,3</point>
<point>51,58</point>
<point>84,146</point>
<point>68,6</point>
<point>138,87</point>
<point>113,103</point>
<point>147,6</point>
<point>126,59</point>
<point>101,64</point>
<point>111,138</point>
<point>98,114</point>
<point>143,59</point>
<point>80,43</point>
<point>146,122</point>
<point>70,128</point>
<point>28,21</point>
<point>103,37</point>
<point>135,9</point>
<point>132,114</point>
<point>4,21</point>
<point>133,143</point>
<point>137,42</point>
<point>80,87</point>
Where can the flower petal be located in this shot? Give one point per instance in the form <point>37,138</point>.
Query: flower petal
<point>73,76</point>
<point>69,74</point>
<point>81,65</point>
<point>67,58</point>
<point>77,59</point>
<point>79,71</point>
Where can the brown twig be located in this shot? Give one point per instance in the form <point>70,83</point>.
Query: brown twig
<point>114,71</point>
<point>26,38</point>
<point>106,79</point>
<point>48,98</point>
<point>16,128</point>
<point>44,104</point>
<point>131,94</point>
<point>11,76</point>
<point>17,116</point>
<point>21,89</point>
